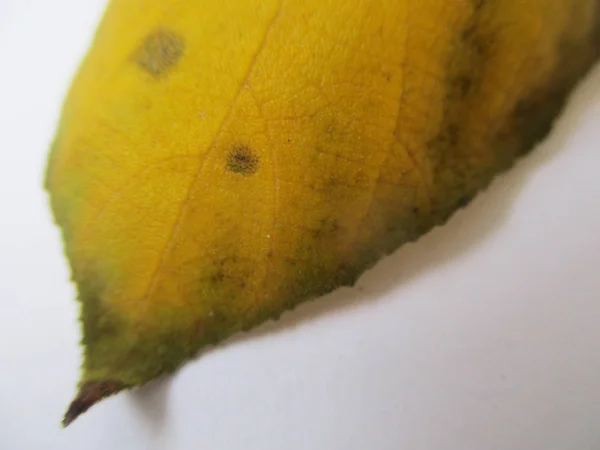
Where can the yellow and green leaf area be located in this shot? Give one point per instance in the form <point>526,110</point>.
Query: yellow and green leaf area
<point>218,162</point>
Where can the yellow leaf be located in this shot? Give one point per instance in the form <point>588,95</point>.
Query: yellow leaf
<point>218,162</point>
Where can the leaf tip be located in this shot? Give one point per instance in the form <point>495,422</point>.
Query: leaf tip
<point>90,393</point>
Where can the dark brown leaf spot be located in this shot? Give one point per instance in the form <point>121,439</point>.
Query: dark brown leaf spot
<point>463,84</point>
<point>159,52</point>
<point>242,160</point>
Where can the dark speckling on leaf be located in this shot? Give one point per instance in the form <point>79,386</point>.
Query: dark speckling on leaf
<point>159,52</point>
<point>242,160</point>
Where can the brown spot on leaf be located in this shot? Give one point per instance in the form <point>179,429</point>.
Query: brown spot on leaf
<point>463,84</point>
<point>159,52</point>
<point>242,160</point>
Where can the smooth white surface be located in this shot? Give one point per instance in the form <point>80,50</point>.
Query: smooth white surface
<point>484,335</point>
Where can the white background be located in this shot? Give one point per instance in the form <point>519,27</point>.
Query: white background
<point>484,335</point>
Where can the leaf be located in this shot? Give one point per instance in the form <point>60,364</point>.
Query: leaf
<point>219,162</point>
